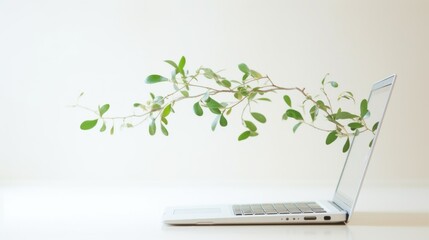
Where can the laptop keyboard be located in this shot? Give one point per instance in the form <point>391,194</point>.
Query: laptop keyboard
<point>277,208</point>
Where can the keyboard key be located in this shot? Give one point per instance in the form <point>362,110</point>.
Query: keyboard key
<point>306,210</point>
<point>257,209</point>
<point>289,205</point>
<point>280,208</point>
<point>237,212</point>
<point>294,210</point>
<point>236,209</point>
<point>246,210</point>
<point>269,209</point>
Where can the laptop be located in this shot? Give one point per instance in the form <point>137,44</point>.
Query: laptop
<point>337,210</point>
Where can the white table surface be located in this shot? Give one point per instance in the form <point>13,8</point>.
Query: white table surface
<point>78,212</point>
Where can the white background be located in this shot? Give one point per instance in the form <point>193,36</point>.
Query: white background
<point>50,51</point>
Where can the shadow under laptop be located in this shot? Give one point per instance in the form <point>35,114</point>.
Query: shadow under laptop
<point>405,219</point>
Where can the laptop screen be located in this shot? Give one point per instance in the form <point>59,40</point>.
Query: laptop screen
<point>361,148</point>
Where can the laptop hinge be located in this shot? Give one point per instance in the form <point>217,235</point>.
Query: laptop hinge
<point>340,209</point>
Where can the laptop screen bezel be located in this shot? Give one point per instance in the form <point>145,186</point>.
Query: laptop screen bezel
<point>338,199</point>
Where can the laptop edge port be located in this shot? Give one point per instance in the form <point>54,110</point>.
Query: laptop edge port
<point>310,218</point>
<point>327,218</point>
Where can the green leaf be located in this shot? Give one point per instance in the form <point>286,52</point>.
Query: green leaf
<point>244,136</point>
<point>322,105</point>
<point>159,100</point>
<point>129,125</point>
<point>222,121</point>
<point>346,95</point>
<point>229,111</point>
<point>238,95</point>
<point>155,79</point>
<point>214,123</point>
<point>245,76</point>
<point>172,63</point>
<point>211,103</point>
<point>287,100</point>
<point>243,91</point>
<point>294,114</point>
<point>355,125</point>
<point>250,125</point>
<point>197,109</point>
<point>252,96</point>
<point>346,145</point>
<point>112,130</point>
<point>208,73</point>
<point>324,78</point>
<point>367,115</point>
<point>244,68</point>
<point>370,143</point>
<point>215,111</point>
<point>255,74</point>
<point>314,111</point>
<point>259,117</point>
<point>264,99</point>
<point>332,136</point>
<point>137,104</point>
<point>331,118</point>
<point>185,93</point>
<point>284,116</point>
<point>363,107</point>
<point>334,84</point>
<point>226,83</point>
<point>164,120</point>
<point>182,62</point>
<point>103,109</point>
<point>181,65</point>
<point>296,126</point>
<point>164,130</point>
<point>156,106</point>
<point>103,128</point>
<point>253,134</point>
<point>166,111</point>
<point>344,115</point>
<point>152,128</point>
<point>88,124</point>
<point>375,126</point>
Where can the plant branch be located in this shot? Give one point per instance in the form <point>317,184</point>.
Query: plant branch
<point>245,90</point>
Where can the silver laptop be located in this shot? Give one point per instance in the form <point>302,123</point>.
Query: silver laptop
<point>337,210</point>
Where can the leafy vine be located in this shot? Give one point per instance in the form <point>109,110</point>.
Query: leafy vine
<point>252,88</point>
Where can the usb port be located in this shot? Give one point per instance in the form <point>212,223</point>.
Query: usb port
<point>310,218</point>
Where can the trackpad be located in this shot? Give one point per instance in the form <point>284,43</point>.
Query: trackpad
<point>197,211</point>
